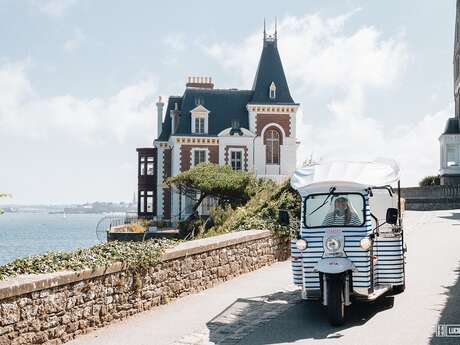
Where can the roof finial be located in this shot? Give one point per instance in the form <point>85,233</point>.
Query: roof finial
<point>265,31</point>
<point>276,29</point>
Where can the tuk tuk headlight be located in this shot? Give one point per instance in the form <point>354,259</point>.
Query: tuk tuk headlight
<point>365,243</point>
<point>301,244</point>
<point>333,244</point>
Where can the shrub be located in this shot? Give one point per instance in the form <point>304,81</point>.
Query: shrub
<point>430,181</point>
<point>261,212</point>
<point>135,255</point>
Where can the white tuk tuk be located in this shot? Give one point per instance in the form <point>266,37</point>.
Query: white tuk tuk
<point>350,244</point>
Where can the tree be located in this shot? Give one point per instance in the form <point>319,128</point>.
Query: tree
<point>430,181</point>
<point>223,183</point>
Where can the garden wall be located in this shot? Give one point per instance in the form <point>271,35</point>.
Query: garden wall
<point>430,198</point>
<point>55,308</point>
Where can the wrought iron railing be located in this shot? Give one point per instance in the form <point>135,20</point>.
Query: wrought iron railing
<point>108,222</point>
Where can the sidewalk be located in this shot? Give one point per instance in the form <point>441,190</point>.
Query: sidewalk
<point>185,320</point>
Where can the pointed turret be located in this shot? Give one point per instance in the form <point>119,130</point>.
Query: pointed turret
<point>270,75</point>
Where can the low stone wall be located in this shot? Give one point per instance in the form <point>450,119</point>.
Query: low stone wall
<point>432,197</point>
<point>55,308</point>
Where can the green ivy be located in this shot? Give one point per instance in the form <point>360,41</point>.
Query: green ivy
<point>135,255</point>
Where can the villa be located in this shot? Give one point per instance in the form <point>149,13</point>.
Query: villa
<point>252,130</point>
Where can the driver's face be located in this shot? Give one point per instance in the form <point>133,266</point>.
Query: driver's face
<point>341,204</point>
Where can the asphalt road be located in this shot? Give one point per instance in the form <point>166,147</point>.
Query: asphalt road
<point>263,307</point>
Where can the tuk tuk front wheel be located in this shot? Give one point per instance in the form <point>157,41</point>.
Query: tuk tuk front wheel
<point>336,303</point>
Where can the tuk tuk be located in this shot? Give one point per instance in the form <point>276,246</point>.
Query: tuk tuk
<point>350,243</point>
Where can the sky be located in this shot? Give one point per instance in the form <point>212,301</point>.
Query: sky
<point>79,80</point>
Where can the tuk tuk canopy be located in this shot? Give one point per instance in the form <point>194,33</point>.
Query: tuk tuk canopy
<point>379,173</point>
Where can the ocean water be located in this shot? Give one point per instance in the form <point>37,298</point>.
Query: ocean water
<point>23,234</point>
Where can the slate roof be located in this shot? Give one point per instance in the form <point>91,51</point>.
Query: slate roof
<point>166,128</point>
<point>270,70</point>
<point>452,126</point>
<point>229,105</point>
<point>224,106</point>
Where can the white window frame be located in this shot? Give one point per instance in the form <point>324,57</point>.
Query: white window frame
<point>192,155</point>
<point>200,125</point>
<point>455,151</point>
<point>150,166</point>
<point>230,161</point>
<point>269,142</point>
<point>199,112</point>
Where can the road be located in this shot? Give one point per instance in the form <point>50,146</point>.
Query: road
<point>263,307</point>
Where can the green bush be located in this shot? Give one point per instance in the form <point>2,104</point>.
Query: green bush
<point>261,212</point>
<point>430,181</point>
<point>135,255</point>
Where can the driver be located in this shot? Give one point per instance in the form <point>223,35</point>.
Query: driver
<point>343,214</point>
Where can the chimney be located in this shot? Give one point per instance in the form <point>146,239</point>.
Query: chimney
<point>200,82</point>
<point>160,106</point>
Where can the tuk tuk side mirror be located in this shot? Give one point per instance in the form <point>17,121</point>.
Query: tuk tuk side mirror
<point>392,216</point>
<point>283,217</point>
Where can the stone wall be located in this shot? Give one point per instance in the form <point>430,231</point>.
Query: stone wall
<point>431,197</point>
<point>55,308</point>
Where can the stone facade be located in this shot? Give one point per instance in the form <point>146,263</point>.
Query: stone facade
<point>55,308</point>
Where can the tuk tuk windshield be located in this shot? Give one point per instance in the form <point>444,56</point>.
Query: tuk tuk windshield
<point>339,210</point>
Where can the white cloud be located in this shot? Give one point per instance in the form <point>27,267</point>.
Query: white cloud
<point>324,60</point>
<point>74,43</point>
<point>175,41</point>
<point>24,113</point>
<point>63,148</point>
<point>54,8</point>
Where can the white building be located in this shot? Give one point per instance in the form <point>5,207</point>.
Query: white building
<point>450,139</point>
<point>252,130</point>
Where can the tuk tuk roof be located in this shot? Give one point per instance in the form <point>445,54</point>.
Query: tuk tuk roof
<point>381,172</point>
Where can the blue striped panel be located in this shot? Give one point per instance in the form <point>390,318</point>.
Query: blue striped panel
<point>389,267</point>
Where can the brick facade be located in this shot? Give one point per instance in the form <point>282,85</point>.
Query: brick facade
<point>245,155</point>
<point>167,191</point>
<point>186,155</point>
<point>282,120</point>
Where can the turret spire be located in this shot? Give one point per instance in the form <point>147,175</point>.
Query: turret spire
<point>265,31</point>
<point>270,85</point>
<point>276,30</point>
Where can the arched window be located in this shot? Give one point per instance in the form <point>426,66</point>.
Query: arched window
<point>272,146</point>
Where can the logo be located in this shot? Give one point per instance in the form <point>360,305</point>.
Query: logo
<point>444,330</point>
<point>333,232</point>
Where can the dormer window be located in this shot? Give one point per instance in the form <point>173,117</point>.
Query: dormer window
<point>199,125</point>
<point>272,92</point>
<point>199,121</point>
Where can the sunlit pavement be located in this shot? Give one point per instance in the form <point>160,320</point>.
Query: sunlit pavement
<point>263,307</point>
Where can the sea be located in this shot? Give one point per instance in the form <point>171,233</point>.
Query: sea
<point>24,234</point>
